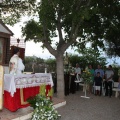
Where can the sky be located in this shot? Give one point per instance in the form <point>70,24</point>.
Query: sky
<point>38,51</point>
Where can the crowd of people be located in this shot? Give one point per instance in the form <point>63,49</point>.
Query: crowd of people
<point>100,79</point>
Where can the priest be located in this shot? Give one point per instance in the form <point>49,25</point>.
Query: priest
<point>16,65</point>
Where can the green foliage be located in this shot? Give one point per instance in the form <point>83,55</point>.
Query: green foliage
<point>30,59</point>
<point>31,26</point>
<point>42,90</point>
<point>43,108</point>
<point>91,56</point>
<point>87,56</point>
<point>74,59</point>
<point>110,10</point>
<point>51,62</point>
<point>50,93</point>
<point>84,20</point>
<point>12,10</point>
<point>113,40</point>
<point>81,20</point>
<point>87,76</point>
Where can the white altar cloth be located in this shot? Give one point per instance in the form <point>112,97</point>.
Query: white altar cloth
<point>11,82</point>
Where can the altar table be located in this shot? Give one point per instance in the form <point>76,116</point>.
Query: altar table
<point>18,88</point>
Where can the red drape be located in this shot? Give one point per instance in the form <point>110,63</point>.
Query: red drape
<point>14,103</point>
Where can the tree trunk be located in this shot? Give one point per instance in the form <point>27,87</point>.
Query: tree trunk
<point>60,76</point>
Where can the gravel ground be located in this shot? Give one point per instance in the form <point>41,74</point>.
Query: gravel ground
<point>95,108</point>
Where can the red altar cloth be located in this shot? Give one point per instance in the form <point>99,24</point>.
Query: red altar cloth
<point>14,103</point>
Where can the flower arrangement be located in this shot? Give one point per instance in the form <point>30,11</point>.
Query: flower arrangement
<point>87,76</point>
<point>43,108</point>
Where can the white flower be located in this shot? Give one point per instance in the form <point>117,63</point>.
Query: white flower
<point>37,104</point>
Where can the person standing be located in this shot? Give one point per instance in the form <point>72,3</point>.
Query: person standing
<point>100,71</point>
<point>77,69</point>
<point>91,70</point>
<point>16,65</point>
<point>108,81</point>
<point>77,75</point>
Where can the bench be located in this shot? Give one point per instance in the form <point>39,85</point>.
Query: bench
<point>116,89</point>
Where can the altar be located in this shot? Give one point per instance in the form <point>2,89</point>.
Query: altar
<point>18,88</point>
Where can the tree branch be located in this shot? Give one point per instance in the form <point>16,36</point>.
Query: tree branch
<point>59,25</point>
<point>46,41</point>
<point>89,1</point>
<point>73,23</point>
<point>72,39</point>
<point>49,47</point>
<point>72,29</point>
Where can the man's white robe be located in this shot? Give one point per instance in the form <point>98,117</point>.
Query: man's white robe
<point>16,65</point>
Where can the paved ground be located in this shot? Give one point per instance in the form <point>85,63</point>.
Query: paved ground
<point>23,113</point>
<point>78,108</point>
<point>95,108</point>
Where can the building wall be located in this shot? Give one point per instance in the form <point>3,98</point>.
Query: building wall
<point>13,42</point>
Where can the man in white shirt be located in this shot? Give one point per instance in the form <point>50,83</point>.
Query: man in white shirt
<point>77,73</point>
<point>108,81</point>
<point>16,65</point>
<point>77,69</point>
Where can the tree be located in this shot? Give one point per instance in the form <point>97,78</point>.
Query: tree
<point>60,19</point>
<point>72,22</point>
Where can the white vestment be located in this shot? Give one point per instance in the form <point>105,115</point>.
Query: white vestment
<point>16,65</point>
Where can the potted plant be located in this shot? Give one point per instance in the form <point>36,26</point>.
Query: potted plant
<point>86,75</point>
<point>87,79</point>
<point>43,108</point>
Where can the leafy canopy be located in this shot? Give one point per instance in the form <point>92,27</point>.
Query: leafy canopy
<point>72,22</point>
<point>12,10</point>
<point>68,21</point>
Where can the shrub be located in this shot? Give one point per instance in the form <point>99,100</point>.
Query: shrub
<point>43,108</point>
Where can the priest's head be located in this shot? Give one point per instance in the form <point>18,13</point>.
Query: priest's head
<point>16,50</point>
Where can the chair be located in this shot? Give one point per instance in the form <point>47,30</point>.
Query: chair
<point>116,89</point>
<point>79,80</point>
<point>102,89</point>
